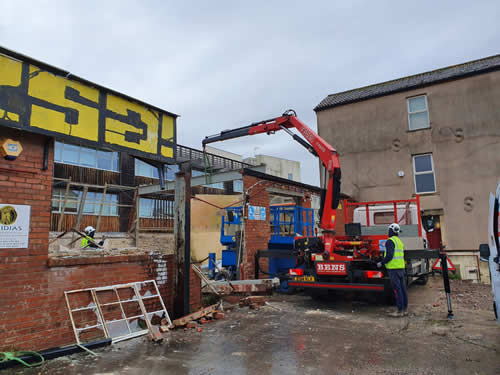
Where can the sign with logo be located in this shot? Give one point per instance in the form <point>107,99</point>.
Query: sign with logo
<point>256,213</point>
<point>14,226</point>
<point>46,100</point>
<point>437,265</point>
<point>331,268</point>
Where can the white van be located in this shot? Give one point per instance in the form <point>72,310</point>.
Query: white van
<point>491,252</point>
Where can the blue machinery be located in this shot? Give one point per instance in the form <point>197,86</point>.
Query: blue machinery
<point>287,221</point>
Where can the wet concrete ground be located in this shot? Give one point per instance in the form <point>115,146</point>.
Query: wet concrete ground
<point>296,335</point>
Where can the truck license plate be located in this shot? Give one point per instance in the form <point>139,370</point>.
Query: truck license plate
<point>303,278</point>
<point>331,268</point>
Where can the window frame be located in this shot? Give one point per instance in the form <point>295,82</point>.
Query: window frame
<point>79,164</point>
<point>96,203</point>
<point>415,173</point>
<point>410,113</point>
<point>137,163</point>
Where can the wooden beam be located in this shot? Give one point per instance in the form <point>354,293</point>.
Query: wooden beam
<point>196,315</point>
<point>66,195</point>
<point>182,235</point>
<point>137,217</point>
<point>102,206</point>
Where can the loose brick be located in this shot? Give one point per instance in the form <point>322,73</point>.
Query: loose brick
<point>219,315</point>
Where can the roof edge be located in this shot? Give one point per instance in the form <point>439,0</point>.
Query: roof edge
<point>319,107</point>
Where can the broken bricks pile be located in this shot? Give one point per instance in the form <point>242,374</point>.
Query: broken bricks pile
<point>196,319</point>
<point>253,302</point>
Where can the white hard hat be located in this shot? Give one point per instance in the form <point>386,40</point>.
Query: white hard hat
<point>89,229</point>
<point>395,228</point>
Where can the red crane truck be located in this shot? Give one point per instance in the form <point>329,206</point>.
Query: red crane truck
<point>329,261</point>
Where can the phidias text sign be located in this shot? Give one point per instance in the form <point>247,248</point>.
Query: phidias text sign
<point>14,226</point>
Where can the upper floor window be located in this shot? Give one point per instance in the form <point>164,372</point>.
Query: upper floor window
<point>418,114</point>
<point>423,170</point>
<point>85,157</point>
<point>145,170</point>
<point>290,176</point>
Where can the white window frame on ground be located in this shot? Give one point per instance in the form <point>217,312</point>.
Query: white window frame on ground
<point>110,156</point>
<point>92,203</point>
<point>410,113</point>
<point>431,171</point>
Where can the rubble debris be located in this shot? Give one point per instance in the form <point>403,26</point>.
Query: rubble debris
<point>254,302</point>
<point>155,334</point>
<point>195,316</point>
<point>219,315</point>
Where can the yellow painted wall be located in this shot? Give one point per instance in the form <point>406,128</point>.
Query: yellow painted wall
<point>205,224</point>
<point>43,102</point>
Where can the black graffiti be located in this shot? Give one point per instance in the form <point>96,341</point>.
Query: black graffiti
<point>132,118</point>
<point>15,99</point>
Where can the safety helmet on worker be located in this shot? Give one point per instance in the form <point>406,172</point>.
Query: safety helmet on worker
<point>89,231</point>
<point>395,228</point>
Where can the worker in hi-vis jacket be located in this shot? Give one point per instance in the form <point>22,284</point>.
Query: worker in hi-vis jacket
<point>394,262</point>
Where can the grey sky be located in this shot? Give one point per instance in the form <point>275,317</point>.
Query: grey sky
<point>224,64</point>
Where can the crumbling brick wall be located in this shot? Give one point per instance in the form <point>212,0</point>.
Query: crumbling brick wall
<point>258,232</point>
<point>33,313</point>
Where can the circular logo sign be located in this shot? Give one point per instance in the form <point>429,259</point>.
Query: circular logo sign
<point>8,215</point>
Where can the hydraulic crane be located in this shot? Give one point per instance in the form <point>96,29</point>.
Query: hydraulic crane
<point>318,147</point>
<point>330,261</point>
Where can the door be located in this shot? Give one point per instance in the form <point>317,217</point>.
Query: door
<point>493,242</point>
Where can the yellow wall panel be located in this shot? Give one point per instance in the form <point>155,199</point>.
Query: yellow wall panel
<point>55,110</point>
<point>10,71</point>
<point>142,139</point>
<point>167,133</point>
<point>50,101</point>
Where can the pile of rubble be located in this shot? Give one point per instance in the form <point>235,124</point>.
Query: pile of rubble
<point>192,321</point>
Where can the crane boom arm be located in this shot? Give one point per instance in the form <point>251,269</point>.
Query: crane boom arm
<point>313,142</point>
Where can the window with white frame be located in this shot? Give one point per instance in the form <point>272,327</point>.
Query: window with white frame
<point>85,157</point>
<point>423,170</point>
<point>418,114</point>
<point>145,170</point>
<point>92,205</point>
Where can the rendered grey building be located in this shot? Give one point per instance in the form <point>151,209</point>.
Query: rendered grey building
<point>436,134</point>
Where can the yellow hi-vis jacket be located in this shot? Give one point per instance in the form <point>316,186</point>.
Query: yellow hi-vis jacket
<point>398,260</point>
<point>85,242</point>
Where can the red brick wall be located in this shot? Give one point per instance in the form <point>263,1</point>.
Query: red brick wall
<point>33,313</point>
<point>258,232</point>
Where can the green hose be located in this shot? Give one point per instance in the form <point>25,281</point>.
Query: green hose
<point>15,356</point>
